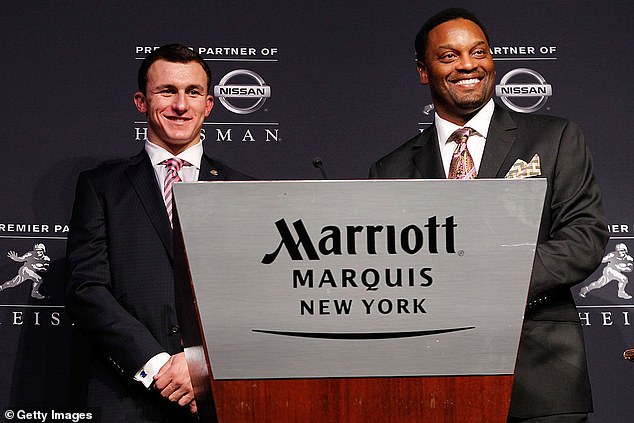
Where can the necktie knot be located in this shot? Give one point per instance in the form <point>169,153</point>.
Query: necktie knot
<point>461,135</point>
<point>174,164</point>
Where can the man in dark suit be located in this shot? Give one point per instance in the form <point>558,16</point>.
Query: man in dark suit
<point>453,57</point>
<point>119,254</point>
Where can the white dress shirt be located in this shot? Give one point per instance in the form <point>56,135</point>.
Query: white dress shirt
<point>193,155</point>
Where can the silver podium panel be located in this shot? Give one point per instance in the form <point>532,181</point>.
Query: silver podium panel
<point>301,279</point>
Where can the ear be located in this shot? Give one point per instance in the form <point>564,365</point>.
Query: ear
<point>209,104</point>
<point>422,73</point>
<point>140,102</point>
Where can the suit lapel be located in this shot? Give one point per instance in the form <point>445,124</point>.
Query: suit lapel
<point>210,170</point>
<point>501,136</point>
<point>427,157</point>
<point>143,180</point>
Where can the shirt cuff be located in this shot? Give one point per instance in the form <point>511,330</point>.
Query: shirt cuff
<point>146,374</point>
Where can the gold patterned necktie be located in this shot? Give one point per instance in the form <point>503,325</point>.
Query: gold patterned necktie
<point>462,166</point>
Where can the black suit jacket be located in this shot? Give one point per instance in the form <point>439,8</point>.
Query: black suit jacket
<point>120,289</point>
<point>550,375</point>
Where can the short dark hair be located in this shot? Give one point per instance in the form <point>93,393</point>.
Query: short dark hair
<point>175,53</point>
<point>420,44</point>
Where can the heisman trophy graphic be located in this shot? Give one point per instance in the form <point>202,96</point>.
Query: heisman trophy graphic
<point>618,262</point>
<point>34,262</point>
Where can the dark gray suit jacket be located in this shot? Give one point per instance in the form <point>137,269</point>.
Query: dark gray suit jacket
<point>550,375</point>
<point>120,289</point>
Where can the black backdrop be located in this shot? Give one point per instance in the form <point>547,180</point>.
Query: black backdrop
<point>343,87</point>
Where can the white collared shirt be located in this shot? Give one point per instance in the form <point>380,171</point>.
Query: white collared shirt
<point>480,122</point>
<point>192,155</point>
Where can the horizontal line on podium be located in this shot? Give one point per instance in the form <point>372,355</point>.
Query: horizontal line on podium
<point>361,335</point>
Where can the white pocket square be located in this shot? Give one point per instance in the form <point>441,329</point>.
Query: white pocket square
<point>521,169</point>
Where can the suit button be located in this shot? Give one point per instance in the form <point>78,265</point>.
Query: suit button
<point>174,329</point>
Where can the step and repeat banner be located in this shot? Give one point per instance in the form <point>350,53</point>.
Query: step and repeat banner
<point>330,79</point>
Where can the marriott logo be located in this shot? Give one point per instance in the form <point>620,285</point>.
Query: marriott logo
<point>431,237</point>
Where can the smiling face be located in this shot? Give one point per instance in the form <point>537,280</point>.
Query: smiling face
<point>176,103</point>
<point>459,69</point>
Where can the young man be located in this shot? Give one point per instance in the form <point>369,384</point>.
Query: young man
<point>472,137</point>
<point>120,262</point>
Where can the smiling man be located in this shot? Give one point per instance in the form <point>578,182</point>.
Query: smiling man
<point>456,64</point>
<point>175,98</point>
<point>120,288</point>
<point>472,137</point>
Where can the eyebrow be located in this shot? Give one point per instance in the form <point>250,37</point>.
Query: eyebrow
<point>189,87</point>
<point>451,47</point>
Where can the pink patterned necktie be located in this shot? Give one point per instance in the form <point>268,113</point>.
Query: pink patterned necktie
<point>172,166</point>
<point>462,166</point>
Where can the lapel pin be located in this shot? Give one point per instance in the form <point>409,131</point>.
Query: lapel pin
<point>214,172</point>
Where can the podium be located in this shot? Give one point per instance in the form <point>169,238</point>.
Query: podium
<point>354,301</point>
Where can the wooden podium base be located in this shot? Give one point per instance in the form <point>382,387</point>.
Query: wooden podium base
<point>463,399</point>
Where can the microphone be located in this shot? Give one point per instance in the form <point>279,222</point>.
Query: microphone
<point>320,165</point>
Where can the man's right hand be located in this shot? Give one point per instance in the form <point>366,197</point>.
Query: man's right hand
<point>173,382</point>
